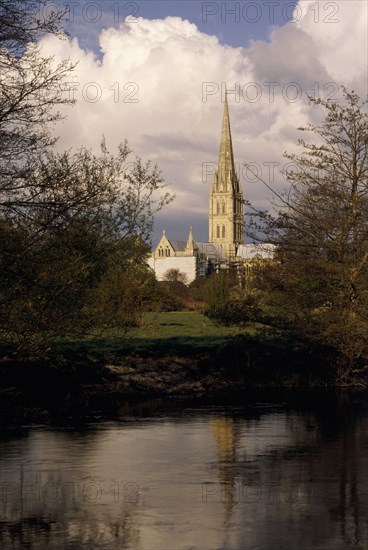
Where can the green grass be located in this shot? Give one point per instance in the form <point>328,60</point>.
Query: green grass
<point>184,324</point>
<point>181,332</point>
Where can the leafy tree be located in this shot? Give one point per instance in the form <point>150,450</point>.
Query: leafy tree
<point>321,229</point>
<point>76,241</point>
<point>175,275</point>
<point>126,290</point>
<point>228,303</point>
<point>197,289</point>
<point>72,225</point>
<point>218,294</point>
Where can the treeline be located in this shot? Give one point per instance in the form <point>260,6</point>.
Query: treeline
<point>73,224</point>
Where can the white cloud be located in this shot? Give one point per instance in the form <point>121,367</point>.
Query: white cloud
<point>166,63</point>
<point>338,34</point>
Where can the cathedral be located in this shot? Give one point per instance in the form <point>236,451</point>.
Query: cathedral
<point>225,245</point>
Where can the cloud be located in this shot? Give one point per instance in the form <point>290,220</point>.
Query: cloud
<point>338,35</point>
<point>147,85</point>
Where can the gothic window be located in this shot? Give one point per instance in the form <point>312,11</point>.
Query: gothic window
<point>167,251</point>
<point>218,231</point>
<point>218,208</point>
<point>223,231</point>
<point>160,252</point>
<point>223,208</point>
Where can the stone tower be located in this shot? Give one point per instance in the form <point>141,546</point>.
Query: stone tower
<point>226,198</point>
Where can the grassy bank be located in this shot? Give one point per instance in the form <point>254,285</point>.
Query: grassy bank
<point>166,355</point>
<point>176,353</point>
<point>181,332</point>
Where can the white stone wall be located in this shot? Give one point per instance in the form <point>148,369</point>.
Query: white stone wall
<point>185,264</point>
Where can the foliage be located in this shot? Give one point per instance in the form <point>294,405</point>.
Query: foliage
<point>197,294</point>
<point>125,293</point>
<point>175,295</point>
<point>197,289</point>
<point>227,303</point>
<point>92,188</point>
<point>218,289</point>
<point>319,283</point>
<point>72,225</point>
<point>175,275</point>
<point>241,311</point>
<point>73,254</point>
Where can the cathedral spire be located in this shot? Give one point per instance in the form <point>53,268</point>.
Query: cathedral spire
<point>226,198</point>
<point>226,176</point>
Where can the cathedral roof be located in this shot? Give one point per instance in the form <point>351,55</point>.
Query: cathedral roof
<point>178,246</point>
<point>211,250</point>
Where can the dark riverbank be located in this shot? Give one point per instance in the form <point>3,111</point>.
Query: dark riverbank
<point>239,363</point>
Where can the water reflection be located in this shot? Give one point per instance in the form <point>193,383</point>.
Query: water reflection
<point>246,475</point>
<point>225,437</point>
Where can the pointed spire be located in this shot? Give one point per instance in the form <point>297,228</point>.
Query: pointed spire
<point>226,176</point>
<point>191,244</point>
<point>226,198</point>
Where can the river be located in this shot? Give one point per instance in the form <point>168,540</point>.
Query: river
<point>259,471</point>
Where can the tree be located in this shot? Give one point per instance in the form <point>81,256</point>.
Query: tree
<point>197,290</point>
<point>96,188</point>
<point>73,225</point>
<point>228,303</point>
<point>175,290</point>
<point>126,290</point>
<point>75,239</point>
<point>31,87</point>
<point>24,22</point>
<point>321,229</point>
<point>175,275</point>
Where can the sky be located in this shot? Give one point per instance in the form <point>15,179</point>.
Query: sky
<point>154,72</point>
